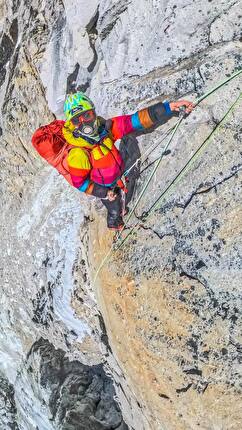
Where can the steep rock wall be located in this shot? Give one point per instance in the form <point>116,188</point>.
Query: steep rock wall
<point>41,248</point>
<point>171,297</point>
<point>170,332</point>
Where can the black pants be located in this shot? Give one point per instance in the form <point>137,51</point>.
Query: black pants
<point>130,152</point>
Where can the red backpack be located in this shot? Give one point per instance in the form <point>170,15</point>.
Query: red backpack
<point>50,143</point>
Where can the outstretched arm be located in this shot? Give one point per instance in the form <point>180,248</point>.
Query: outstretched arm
<point>146,118</point>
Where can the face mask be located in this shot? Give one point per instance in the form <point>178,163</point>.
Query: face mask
<point>86,126</point>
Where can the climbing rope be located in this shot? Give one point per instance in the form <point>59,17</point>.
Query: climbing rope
<point>153,171</point>
<point>133,209</point>
<point>182,172</point>
<point>148,151</point>
<point>173,131</point>
<point>221,84</point>
<point>154,146</point>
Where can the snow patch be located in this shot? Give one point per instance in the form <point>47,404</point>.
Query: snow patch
<point>53,223</point>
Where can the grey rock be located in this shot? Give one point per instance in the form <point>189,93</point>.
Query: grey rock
<point>81,397</point>
<point>8,410</point>
<point>170,328</point>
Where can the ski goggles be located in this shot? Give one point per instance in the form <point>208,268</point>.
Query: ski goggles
<point>84,118</point>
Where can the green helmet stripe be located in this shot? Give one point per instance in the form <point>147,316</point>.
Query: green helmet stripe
<point>75,101</point>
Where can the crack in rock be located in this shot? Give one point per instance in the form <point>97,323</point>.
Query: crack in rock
<point>92,32</point>
<point>184,389</point>
<point>71,80</point>
<point>112,15</point>
<point>211,187</point>
<point>160,236</point>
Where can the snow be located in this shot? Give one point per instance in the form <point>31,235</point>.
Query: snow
<point>53,223</point>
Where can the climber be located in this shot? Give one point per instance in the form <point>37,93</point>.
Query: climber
<point>82,148</point>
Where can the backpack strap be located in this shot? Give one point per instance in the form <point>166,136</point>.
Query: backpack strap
<point>110,150</point>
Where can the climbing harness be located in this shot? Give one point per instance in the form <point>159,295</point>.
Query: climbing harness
<point>117,245</point>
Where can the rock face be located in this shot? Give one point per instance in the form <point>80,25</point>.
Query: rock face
<point>7,405</point>
<point>81,396</point>
<point>169,332</point>
<point>41,255</point>
<point>171,296</point>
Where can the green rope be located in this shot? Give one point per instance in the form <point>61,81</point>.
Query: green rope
<point>115,246</point>
<point>195,155</point>
<point>173,131</point>
<point>182,172</point>
<point>221,84</point>
<point>148,151</point>
<point>154,170</point>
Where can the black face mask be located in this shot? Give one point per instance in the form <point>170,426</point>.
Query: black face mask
<point>86,126</point>
<point>88,131</point>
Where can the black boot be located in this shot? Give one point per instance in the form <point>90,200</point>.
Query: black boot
<point>114,218</point>
<point>115,223</point>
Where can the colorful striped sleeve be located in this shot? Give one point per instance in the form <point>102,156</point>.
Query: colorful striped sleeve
<point>141,120</point>
<point>79,168</point>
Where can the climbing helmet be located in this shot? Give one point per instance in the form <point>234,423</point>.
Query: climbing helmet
<point>76,104</point>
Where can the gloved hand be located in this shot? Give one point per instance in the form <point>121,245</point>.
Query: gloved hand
<point>111,195</point>
<point>175,106</point>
